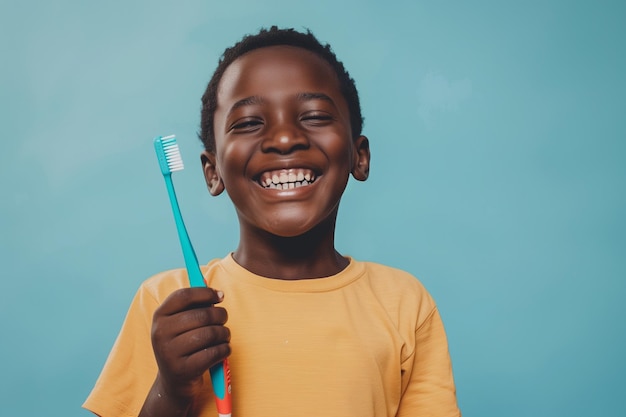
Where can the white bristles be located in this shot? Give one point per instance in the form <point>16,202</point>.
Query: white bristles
<point>172,153</point>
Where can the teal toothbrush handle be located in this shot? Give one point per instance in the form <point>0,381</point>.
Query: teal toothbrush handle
<point>191,261</point>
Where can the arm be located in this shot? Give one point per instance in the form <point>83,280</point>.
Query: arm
<point>188,337</point>
<point>428,384</point>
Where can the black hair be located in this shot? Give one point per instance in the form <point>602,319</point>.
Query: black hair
<point>274,37</point>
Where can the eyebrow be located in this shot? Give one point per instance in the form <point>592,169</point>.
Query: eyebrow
<point>248,101</point>
<point>314,96</point>
<point>257,100</point>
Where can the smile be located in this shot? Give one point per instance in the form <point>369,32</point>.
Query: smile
<point>285,179</point>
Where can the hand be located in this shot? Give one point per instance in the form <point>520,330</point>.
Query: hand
<point>188,337</point>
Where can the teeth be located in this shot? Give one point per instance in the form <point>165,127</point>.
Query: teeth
<point>287,179</point>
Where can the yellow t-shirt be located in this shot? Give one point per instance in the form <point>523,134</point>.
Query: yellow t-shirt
<point>368,341</point>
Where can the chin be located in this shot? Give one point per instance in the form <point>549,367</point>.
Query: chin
<point>287,230</point>
<point>295,223</point>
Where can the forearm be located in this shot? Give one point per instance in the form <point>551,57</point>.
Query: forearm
<point>159,403</point>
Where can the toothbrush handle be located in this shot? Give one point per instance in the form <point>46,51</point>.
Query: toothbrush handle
<point>220,378</point>
<point>191,261</point>
<point>220,373</point>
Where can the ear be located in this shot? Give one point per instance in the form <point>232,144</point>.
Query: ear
<point>361,163</point>
<point>211,175</point>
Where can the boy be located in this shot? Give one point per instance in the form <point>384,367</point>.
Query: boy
<point>313,332</point>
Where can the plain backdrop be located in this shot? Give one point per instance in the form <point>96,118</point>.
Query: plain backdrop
<point>498,177</point>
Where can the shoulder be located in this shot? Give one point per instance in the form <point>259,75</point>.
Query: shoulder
<point>400,292</point>
<point>162,284</point>
<point>393,280</point>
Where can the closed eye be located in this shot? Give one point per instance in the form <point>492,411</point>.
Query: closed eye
<point>316,118</point>
<point>246,125</point>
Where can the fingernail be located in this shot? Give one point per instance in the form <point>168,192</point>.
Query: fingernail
<point>220,295</point>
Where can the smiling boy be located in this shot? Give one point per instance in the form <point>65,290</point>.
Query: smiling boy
<point>310,331</point>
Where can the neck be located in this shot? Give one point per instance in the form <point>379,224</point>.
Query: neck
<point>307,256</point>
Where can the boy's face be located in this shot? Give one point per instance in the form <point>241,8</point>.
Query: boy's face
<point>284,149</point>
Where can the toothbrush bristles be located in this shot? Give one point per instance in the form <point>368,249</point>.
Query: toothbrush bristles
<point>172,153</point>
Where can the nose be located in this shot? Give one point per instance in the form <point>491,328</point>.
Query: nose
<point>285,138</point>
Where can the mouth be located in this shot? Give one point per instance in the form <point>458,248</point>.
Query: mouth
<point>285,179</point>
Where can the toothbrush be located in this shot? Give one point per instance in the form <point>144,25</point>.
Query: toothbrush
<point>170,161</point>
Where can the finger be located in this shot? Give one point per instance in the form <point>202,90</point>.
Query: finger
<point>186,368</point>
<point>166,329</point>
<point>206,358</point>
<point>187,298</point>
<point>193,319</point>
<point>199,339</point>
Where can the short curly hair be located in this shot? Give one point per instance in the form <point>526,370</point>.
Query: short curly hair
<point>274,37</point>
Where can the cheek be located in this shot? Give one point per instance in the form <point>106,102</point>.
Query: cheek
<point>232,160</point>
<point>341,150</point>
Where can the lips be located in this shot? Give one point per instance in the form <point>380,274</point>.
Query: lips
<point>284,179</point>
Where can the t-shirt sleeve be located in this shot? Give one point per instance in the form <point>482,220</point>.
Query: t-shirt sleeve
<point>130,369</point>
<point>428,384</point>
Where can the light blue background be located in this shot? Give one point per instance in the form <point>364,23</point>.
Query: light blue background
<point>498,178</point>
